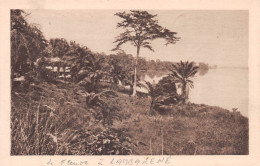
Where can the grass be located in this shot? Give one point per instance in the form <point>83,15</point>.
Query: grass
<point>55,120</point>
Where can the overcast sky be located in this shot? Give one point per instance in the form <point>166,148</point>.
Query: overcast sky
<point>215,37</point>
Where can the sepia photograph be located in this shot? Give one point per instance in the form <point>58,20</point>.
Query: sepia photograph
<point>129,82</point>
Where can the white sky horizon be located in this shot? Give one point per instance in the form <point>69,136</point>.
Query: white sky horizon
<point>216,37</point>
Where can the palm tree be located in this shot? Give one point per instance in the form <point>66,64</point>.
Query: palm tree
<point>183,72</point>
<point>118,72</point>
<point>92,71</point>
<point>77,57</point>
<point>151,92</point>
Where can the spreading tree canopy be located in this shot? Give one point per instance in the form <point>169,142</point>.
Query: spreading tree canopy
<point>141,28</point>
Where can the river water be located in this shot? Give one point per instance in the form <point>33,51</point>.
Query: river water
<point>223,87</point>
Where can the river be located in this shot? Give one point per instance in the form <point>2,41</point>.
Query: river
<point>223,87</point>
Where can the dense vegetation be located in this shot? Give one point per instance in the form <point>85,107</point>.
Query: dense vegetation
<point>84,105</point>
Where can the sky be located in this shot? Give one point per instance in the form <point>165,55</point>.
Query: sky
<point>216,37</point>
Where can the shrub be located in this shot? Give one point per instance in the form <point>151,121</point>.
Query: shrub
<point>166,86</point>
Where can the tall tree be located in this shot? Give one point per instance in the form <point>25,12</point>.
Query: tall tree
<point>183,73</point>
<point>141,28</point>
<point>27,43</point>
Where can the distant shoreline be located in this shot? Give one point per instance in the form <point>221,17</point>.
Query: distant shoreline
<point>229,67</point>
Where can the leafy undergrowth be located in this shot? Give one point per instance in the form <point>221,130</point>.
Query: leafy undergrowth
<point>50,119</point>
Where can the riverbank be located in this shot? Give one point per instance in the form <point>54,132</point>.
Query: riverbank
<point>217,87</point>
<point>68,125</point>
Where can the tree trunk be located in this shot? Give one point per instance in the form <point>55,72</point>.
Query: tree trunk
<point>184,93</point>
<point>135,77</point>
<point>134,86</point>
<point>151,106</point>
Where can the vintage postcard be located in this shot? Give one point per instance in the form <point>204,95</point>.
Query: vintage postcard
<point>113,83</point>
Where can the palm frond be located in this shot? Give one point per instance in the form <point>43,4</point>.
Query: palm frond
<point>148,86</point>
<point>192,72</point>
<point>175,75</point>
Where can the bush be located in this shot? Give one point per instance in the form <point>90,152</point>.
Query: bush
<point>166,86</point>
<point>106,105</point>
<point>165,94</point>
<point>110,142</point>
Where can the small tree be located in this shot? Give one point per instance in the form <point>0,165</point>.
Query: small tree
<point>77,57</point>
<point>140,29</point>
<point>183,72</point>
<point>92,72</point>
<point>117,72</point>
